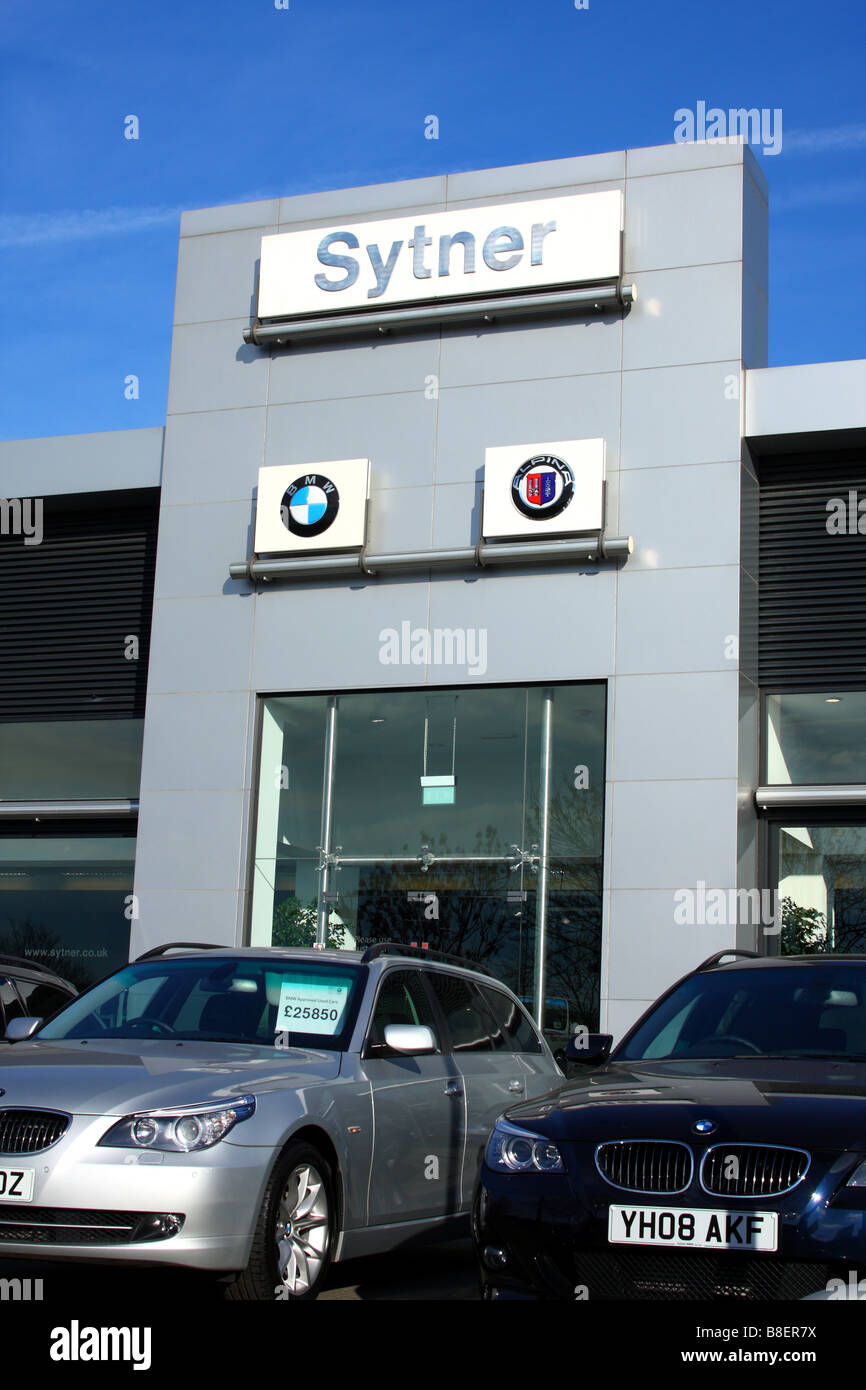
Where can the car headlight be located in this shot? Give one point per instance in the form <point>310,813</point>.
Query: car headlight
<point>184,1130</point>
<point>858,1177</point>
<point>514,1150</point>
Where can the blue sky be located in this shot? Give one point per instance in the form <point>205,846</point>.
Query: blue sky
<point>238,100</point>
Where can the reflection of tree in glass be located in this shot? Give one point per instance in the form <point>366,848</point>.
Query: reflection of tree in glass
<point>804,930</point>
<point>849,906</point>
<point>476,919</point>
<point>576,817</point>
<point>295,925</point>
<point>470,901</point>
<point>31,940</point>
<point>573,957</point>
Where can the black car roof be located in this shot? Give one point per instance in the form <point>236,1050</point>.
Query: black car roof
<point>773,962</point>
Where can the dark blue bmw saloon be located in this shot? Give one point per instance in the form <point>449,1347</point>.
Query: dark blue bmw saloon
<point>719,1152</point>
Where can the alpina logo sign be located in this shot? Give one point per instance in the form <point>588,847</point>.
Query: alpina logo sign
<point>543,490</point>
<point>570,240</point>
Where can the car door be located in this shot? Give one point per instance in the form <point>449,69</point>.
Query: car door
<point>41,998</point>
<point>10,1005</point>
<point>418,1111</point>
<point>492,1074</point>
<point>539,1069</point>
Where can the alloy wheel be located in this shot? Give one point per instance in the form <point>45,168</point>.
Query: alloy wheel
<point>303,1229</point>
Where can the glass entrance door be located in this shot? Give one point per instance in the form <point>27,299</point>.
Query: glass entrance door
<point>468,820</point>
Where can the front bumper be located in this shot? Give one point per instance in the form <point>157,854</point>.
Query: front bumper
<point>92,1204</point>
<point>545,1236</point>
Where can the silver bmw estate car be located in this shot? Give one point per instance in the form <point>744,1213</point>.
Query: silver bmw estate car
<point>258,1113</point>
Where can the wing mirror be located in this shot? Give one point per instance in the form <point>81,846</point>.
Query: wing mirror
<point>18,1029</point>
<point>411,1038</point>
<point>590,1049</point>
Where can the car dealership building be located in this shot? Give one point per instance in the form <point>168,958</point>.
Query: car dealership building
<point>484,589</point>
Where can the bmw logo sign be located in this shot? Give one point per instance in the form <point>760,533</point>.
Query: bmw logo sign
<point>310,505</point>
<point>542,487</point>
<point>704,1127</point>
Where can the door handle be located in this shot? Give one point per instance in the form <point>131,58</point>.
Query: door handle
<point>454,1089</point>
<point>515,1085</point>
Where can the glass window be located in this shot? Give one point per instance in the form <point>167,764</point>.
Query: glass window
<point>351,850</point>
<point>788,1011</point>
<point>41,1000</point>
<point>220,999</point>
<point>402,998</point>
<point>469,1026</point>
<point>822,888</point>
<point>10,1004</point>
<point>814,739</point>
<point>66,898</point>
<point>517,1028</point>
<point>78,759</point>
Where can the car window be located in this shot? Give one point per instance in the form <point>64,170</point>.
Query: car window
<point>147,997</point>
<point>402,998</point>
<point>10,1004</point>
<point>42,1000</point>
<point>220,999</point>
<point>469,1026</point>
<point>789,1011</point>
<point>515,1025</point>
<point>664,1041</point>
<point>498,1035</point>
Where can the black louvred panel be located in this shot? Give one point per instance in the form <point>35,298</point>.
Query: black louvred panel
<point>811,585</point>
<point>67,605</point>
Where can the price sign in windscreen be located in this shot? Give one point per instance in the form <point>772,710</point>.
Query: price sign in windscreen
<point>312,1004</point>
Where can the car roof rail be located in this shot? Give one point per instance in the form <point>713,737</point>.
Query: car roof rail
<point>397,948</point>
<point>720,956</point>
<point>27,963</point>
<point>180,946</point>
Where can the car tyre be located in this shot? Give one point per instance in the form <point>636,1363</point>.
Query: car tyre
<point>295,1232</point>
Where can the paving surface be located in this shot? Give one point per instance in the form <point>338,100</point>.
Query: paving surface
<point>445,1272</point>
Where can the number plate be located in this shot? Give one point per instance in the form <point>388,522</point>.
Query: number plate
<point>16,1184</point>
<point>693,1227</point>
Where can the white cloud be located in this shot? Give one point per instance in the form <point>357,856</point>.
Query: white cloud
<point>840,137</point>
<point>30,229</point>
<point>818,194</point>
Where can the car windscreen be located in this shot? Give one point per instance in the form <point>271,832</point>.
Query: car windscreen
<point>773,1011</point>
<point>280,1003</point>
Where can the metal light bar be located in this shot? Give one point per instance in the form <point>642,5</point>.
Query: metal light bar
<point>68,810</point>
<point>328,565</point>
<point>518,553</point>
<point>845,794</point>
<point>595,297</point>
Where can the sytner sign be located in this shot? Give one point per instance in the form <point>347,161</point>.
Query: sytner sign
<point>571,240</point>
